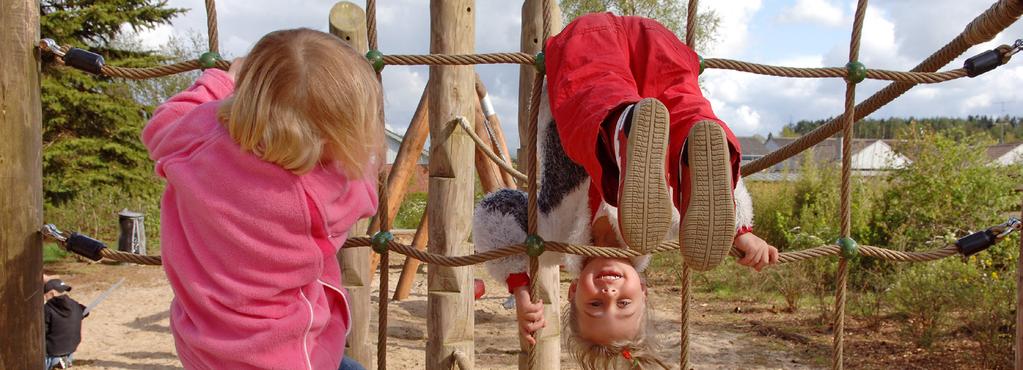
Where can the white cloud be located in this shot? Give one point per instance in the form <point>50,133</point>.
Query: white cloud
<point>897,35</point>
<point>813,11</point>
<point>733,31</point>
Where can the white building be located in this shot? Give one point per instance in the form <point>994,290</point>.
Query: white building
<point>394,142</point>
<point>1005,154</point>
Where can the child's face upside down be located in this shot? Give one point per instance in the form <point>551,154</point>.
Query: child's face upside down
<point>610,300</point>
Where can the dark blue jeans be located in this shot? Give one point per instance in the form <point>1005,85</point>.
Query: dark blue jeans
<point>348,363</point>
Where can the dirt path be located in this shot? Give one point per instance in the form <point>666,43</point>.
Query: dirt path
<point>130,329</point>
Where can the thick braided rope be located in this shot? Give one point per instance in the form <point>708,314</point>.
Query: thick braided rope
<point>841,276</point>
<point>523,58</point>
<point>131,257</point>
<point>691,35</point>
<point>592,251</point>
<point>533,185</point>
<point>382,311</point>
<point>459,59</point>
<point>845,207</point>
<point>534,113</point>
<point>686,272</point>
<point>371,24</point>
<point>832,72</point>
<point>983,28</point>
<point>684,315</point>
<point>211,25</point>
<point>485,148</point>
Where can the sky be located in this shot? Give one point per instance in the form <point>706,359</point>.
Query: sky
<point>799,33</point>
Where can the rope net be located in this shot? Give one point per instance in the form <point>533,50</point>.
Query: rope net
<point>983,28</point>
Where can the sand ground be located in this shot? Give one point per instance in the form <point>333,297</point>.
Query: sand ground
<point>129,330</point>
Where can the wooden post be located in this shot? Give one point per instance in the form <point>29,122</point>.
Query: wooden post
<point>1019,295</point>
<point>21,199</point>
<point>408,271</point>
<point>495,124</point>
<point>549,344</point>
<point>531,43</point>
<point>348,21</point>
<point>450,323</point>
<point>489,174</point>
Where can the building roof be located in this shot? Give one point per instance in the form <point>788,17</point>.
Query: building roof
<point>997,151</point>
<point>752,145</point>
<point>391,135</point>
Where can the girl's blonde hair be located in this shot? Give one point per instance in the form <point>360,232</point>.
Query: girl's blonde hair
<point>644,348</point>
<point>304,97</point>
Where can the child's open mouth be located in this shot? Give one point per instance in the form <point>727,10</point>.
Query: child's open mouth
<point>608,276</point>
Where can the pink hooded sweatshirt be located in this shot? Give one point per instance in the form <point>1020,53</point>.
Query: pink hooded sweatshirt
<point>248,246</point>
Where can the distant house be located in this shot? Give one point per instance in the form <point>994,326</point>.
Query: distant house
<point>394,142</point>
<point>1006,154</point>
<point>419,180</point>
<point>869,156</point>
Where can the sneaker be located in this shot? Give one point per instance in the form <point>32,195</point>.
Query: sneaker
<point>644,200</point>
<point>708,216</point>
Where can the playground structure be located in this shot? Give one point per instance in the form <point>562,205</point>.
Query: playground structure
<point>452,98</point>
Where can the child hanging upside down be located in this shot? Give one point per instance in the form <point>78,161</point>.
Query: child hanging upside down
<point>636,157</point>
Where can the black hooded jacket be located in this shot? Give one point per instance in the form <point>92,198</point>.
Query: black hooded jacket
<point>63,320</point>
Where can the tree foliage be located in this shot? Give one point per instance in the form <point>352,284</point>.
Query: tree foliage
<point>1006,128</point>
<point>91,124</point>
<point>671,13</point>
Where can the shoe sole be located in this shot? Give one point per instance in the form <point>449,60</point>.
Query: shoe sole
<point>708,227</point>
<point>645,202</point>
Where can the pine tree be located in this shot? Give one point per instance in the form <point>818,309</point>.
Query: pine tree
<point>91,124</point>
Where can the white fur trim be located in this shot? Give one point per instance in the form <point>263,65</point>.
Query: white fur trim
<point>574,263</point>
<point>492,230</point>
<point>743,206</point>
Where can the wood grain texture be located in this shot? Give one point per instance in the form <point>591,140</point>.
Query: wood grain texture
<point>21,201</point>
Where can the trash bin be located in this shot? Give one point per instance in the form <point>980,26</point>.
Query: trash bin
<point>133,232</point>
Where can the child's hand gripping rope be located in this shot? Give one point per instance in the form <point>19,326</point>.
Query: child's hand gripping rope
<point>529,315</point>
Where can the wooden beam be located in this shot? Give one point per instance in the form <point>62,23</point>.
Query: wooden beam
<point>495,124</point>
<point>407,159</point>
<point>450,323</point>
<point>408,271</point>
<point>348,21</point>
<point>21,200</point>
<point>548,346</point>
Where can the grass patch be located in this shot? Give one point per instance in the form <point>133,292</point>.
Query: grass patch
<point>53,253</point>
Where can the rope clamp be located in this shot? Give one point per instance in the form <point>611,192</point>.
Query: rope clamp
<point>51,231</point>
<point>52,47</point>
<point>1016,47</point>
<point>1013,224</point>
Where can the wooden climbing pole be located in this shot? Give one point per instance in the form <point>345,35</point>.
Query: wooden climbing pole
<point>21,200</point>
<point>348,22</point>
<point>452,93</point>
<point>548,347</point>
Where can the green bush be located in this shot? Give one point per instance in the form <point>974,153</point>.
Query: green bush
<point>928,295</point>
<point>410,212</point>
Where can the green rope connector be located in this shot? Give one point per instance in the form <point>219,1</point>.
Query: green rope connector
<point>381,240</point>
<point>534,245</point>
<point>376,59</point>
<point>850,249</point>
<point>857,72</point>
<point>209,59</point>
<point>540,63</point>
<point>703,66</point>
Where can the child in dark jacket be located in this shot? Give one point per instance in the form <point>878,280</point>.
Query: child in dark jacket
<point>62,319</point>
